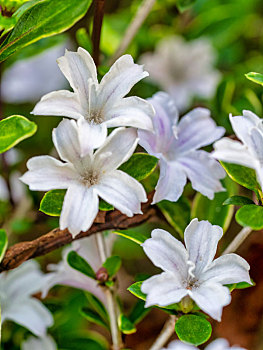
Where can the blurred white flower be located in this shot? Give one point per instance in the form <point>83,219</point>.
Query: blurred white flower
<point>43,343</point>
<point>218,344</point>
<point>85,175</point>
<point>183,69</point>
<point>27,80</point>
<point>191,272</point>
<point>177,145</point>
<point>249,152</point>
<point>17,304</point>
<point>101,104</point>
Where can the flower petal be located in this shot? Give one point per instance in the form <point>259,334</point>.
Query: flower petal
<point>167,252</point>
<point>47,173</point>
<point>80,207</point>
<point>204,172</point>
<point>122,191</point>
<point>177,345</point>
<point>243,124</point>
<point>62,103</point>
<point>211,298</point>
<point>43,343</point>
<point>118,148</point>
<point>164,289</point>
<point>163,100</point>
<point>122,76</point>
<point>226,269</point>
<point>222,344</point>
<point>171,182</point>
<point>201,239</point>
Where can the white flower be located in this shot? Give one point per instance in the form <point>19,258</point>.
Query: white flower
<point>101,104</point>
<point>183,69</point>
<point>177,145</point>
<point>16,288</point>
<point>249,129</point>
<point>43,343</point>
<point>192,271</point>
<point>218,344</point>
<point>85,175</point>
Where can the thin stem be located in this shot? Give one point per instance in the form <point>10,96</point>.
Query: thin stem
<point>97,24</point>
<point>238,240</point>
<point>133,28</point>
<point>166,333</point>
<point>110,298</point>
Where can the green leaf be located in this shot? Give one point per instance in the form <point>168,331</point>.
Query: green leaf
<point>140,165</point>
<point>242,175</point>
<point>45,18</point>
<point>13,130</point>
<point>255,77</point>
<point>138,312</point>
<point>184,5</point>
<point>51,203</point>
<point>250,215</point>
<point>104,206</point>
<point>238,200</point>
<point>134,236</point>
<point>125,325</point>
<point>135,289</point>
<point>94,317</point>
<point>80,264</point>
<point>240,285</point>
<point>3,243</point>
<point>176,213</point>
<point>96,305</point>
<point>193,329</point>
<point>112,265</point>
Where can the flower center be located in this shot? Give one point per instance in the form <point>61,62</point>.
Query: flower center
<point>192,281</point>
<point>95,117</point>
<point>90,178</point>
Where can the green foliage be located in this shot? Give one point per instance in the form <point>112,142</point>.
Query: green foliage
<point>94,317</point>
<point>112,265</point>
<point>125,325</point>
<point>250,215</point>
<point>52,202</point>
<point>80,264</point>
<point>43,19</point>
<point>193,329</point>
<point>138,312</point>
<point>13,130</point>
<point>176,213</point>
<point>184,4</point>
<point>238,200</point>
<point>134,236</point>
<point>139,166</point>
<point>135,289</point>
<point>240,285</point>
<point>95,304</point>
<point>255,77</point>
<point>3,243</point>
<point>104,206</point>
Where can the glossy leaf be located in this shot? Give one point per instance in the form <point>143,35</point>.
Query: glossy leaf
<point>80,264</point>
<point>238,200</point>
<point>135,289</point>
<point>125,325</point>
<point>94,317</point>
<point>255,77</point>
<point>134,236</point>
<point>43,19</point>
<point>250,215</point>
<point>112,265</point>
<point>193,329</point>
<point>13,130</point>
<point>3,243</point>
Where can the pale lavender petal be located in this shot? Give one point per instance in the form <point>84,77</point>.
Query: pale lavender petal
<point>178,345</point>
<point>4,192</point>
<point>243,124</point>
<point>43,343</point>
<point>162,99</point>
<point>222,344</point>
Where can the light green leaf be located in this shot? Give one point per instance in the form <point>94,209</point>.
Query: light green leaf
<point>240,285</point>
<point>140,165</point>
<point>134,236</point>
<point>135,289</point>
<point>238,200</point>
<point>104,206</point>
<point>13,130</point>
<point>176,213</point>
<point>94,317</point>
<point>45,18</point>
<point>3,243</point>
<point>255,77</point>
<point>125,325</point>
<point>193,329</point>
<point>250,215</point>
<point>80,264</point>
<point>112,265</point>
<point>184,5</point>
<point>96,305</point>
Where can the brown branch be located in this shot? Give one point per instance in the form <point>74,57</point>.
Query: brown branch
<point>57,238</point>
<point>97,24</point>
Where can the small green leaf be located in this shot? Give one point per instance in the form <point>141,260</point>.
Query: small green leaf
<point>80,264</point>
<point>240,285</point>
<point>112,265</point>
<point>250,215</point>
<point>176,213</point>
<point>3,243</point>
<point>134,236</point>
<point>140,165</point>
<point>138,312</point>
<point>255,77</point>
<point>95,304</point>
<point>51,203</point>
<point>13,130</point>
<point>135,289</point>
<point>238,200</point>
<point>242,175</point>
<point>184,5</point>
<point>94,317</point>
<point>125,325</point>
<point>193,329</point>
<point>104,206</point>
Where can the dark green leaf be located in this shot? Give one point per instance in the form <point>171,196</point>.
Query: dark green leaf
<point>138,312</point>
<point>255,77</point>
<point>193,329</point>
<point>93,316</point>
<point>97,306</point>
<point>80,264</point>
<point>250,215</point>
<point>51,203</point>
<point>3,243</point>
<point>140,165</point>
<point>238,200</point>
<point>125,325</point>
<point>13,130</point>
<point>43,19</point>
<point>104,206</point>
<point>131,235</point>
<point>112,265</point>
